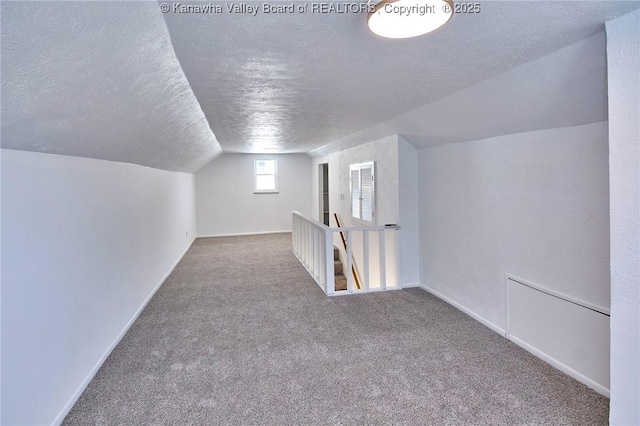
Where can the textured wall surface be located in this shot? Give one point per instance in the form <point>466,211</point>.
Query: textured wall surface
<point>84,244</point>
<point>99,80</point>
<point>384,153</point>
<point>226,202</point>
<point>623,58</point>
<point>534,205</point>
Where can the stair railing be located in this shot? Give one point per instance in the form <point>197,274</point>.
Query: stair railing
<point>345,245</point>
<point>313,245</point>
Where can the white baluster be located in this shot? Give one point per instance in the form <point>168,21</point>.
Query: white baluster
<point>331,279</point>
<point>398,271</point>
<point>383,261</point>
<point>365,257</point>
<point>348,272</point>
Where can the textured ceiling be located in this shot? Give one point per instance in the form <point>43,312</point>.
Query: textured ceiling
<point>562,89</point>
<point>122,81</point>
<point>301,80</point>
<point>99,80</point>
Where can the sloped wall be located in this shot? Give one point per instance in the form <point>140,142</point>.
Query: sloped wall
<point>85,244</point>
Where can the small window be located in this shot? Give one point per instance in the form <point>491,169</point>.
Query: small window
<point>362,192</point>
<point>265,175</point>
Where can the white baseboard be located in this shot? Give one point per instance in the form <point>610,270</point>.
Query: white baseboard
<point>74,398</point>
<point>411,285</point>
<point>562,367</point>
<point>240,234</point>
<point>466,310</point>
<point>356,292</point>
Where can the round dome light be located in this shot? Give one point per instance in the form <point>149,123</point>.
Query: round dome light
<point>409,18</point>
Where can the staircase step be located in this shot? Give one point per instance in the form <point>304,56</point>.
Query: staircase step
<point>341,282</point>
<point>338,267</point>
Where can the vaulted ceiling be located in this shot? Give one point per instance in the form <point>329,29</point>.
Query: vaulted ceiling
<point>99,80</point>
<point>122,81</point>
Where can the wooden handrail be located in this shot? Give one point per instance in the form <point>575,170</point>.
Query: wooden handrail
<point>354,271</point>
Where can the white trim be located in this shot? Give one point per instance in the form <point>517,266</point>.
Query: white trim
<point>346,228</point>
<point>76,395</point>
<point>562,367</point>
<point>359,167</point>
<point>559,295</point>
<point>507,307</point>
<point>274,174</point>
<point>241,234</point>
<point>356,292</point>
<point>411,285</point>
<point>466,310</point>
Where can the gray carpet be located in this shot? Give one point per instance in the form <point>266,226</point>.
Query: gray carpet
<point>240,334</point>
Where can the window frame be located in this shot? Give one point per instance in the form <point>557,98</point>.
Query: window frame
<point>256,174</point>
<point>359,167</point>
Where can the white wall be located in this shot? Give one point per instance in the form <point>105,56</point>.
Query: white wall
<point>0,288</point>
<point>226,203</point>
<point>85,244</point>
<point>623,58</point>
<point>408,211</point>
<point>534,205</point>
<point>385,154</point>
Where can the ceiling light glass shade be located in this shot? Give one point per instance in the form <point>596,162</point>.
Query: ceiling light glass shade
<point>409,18</point>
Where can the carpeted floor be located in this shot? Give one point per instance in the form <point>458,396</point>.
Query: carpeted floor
<point>240,334</point>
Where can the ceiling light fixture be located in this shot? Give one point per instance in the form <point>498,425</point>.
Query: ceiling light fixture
<point>409,18</point>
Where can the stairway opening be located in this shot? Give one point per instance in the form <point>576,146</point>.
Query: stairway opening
<point>338,267</point>
<point>323,179</point>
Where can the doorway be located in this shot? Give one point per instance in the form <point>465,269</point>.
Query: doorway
<point>323,180</point>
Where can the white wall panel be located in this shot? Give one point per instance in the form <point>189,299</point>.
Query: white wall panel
<point>563,332</point>
<point>623,59</point>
